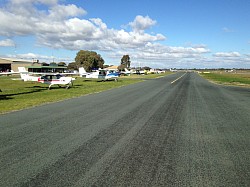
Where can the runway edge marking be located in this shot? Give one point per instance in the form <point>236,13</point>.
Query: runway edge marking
<point>178,78</point>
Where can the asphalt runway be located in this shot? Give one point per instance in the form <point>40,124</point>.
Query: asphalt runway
<point>179,130</point>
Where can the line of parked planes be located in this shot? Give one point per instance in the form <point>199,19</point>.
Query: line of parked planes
<point>65,79</point>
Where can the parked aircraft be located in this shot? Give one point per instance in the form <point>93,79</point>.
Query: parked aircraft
<point>45,78</point>
<point>9,73</point>
<point>139,72</point>
<point>82,72</point>
<point>56,80</point>
<point>173,70</point>
<point>60,79</point>
<point>103,75</point>
<point>126,72</point>
<point>160,71</point>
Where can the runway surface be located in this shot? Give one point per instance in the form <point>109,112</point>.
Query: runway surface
<point>178,130</point>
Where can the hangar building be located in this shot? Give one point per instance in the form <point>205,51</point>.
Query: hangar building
<point>8,64</point>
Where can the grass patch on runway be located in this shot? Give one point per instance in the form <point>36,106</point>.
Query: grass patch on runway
<point>17,94</point>
<point>236,79</point>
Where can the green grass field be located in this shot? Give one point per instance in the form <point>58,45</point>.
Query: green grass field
<point>17,94</point>
<point>236,79</point>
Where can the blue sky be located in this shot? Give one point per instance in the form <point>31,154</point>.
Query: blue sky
<point>158,34</point>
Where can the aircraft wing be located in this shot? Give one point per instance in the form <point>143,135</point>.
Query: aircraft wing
<point>22,70</point>
<point>9,73</point>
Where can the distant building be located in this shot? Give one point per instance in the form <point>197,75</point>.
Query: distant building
<point>112,68</point>
<point>8,64</point>
<point>46,69</point>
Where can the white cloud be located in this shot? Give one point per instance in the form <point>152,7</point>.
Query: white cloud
<point>158,55</point>
<point>12,24</point>
<point>228,60</point>
<point>46,2</point>
<point>59,12</point>
<point>28,56</point>
<point>140,23</point>
<point>227,54</point>
<point>7,43</point>
<point>61,26</point>
<point>41,58</point>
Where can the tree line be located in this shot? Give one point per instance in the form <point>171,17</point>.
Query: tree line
<point>91,60</point>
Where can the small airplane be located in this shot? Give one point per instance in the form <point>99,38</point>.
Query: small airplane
<point>103,75</point>
<point>56,80</point>
<point>8,73</point>
<point>46,78</point>
<point>173,70</point>
<point>82,72</point>
<point>139,72</point>
<point>160,71</point>
<point>126,72</point>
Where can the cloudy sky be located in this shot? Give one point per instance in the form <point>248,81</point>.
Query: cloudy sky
<point>155,33</point>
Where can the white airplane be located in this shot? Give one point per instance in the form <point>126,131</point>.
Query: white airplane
<point>56,80</point>
<point>82,72</point>
<point>103,75</point>
<point>161,71</point>
<point>8,73</point>
<point>173,70</point>
<point>47,78</point>
<point>126,72</point>
<point>139,72</point>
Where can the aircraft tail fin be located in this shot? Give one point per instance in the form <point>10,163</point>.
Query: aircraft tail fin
<point>22,70</point>
<point>25,75</point>
<point>82,72</point>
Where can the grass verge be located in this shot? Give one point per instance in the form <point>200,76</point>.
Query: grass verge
<point>235,79</point>
<point>17,95</point>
